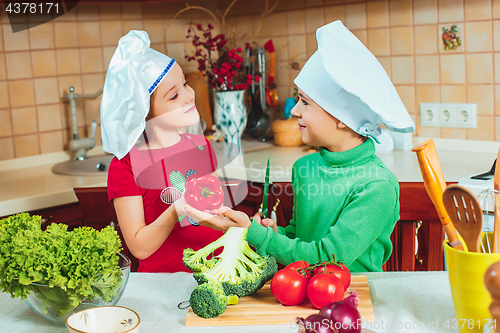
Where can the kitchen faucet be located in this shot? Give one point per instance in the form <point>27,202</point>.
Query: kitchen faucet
<point>77,145</point>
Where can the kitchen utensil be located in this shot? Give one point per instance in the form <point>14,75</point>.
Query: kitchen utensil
<point>466,214</point>
<point>496,186</point>
<point>262,121</point>
<point>432,175</point>
<point>262,308</point>
<point>272,98</point>
<point>104,319</point>
<point>266,191</point>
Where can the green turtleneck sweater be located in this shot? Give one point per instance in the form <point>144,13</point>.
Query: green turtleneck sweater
<point>345,203</point>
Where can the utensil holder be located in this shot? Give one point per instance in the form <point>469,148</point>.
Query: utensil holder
<point>471,299</point>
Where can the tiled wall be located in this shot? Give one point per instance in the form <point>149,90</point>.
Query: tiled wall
<point>405,35</point>
<point>38,65</point>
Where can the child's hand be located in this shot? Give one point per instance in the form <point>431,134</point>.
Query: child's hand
<point>225,219</point>
<point>265,222</point>
<point>179,206</point>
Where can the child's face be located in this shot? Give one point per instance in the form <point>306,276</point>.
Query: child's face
<point>316,125</point>
<point>174,101</point>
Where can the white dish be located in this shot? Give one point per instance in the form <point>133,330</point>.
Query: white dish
<point>104,319</point>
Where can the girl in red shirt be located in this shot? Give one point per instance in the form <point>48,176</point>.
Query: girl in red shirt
<point>146,100</point>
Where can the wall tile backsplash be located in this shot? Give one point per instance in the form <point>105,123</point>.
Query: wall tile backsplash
<point>38,65</point>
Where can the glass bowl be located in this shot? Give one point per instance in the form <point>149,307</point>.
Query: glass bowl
<point>41,296</point>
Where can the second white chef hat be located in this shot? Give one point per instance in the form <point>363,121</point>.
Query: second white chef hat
<point>347,81</point>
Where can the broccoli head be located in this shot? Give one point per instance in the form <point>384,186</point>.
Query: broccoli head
<point>238,268</point>
<point>208,300</point>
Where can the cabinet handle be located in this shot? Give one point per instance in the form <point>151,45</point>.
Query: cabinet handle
<point>47,220</point>
<point>418,260</point>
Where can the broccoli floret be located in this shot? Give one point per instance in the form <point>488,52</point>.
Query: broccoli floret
<point>270,269</point>
<point>208,300</point>
<point>196,261</point>
<point>240,270</point>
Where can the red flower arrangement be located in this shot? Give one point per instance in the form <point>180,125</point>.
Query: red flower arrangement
<point>226,72</point>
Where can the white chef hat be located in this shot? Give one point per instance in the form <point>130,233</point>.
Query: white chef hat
<point>347,81</point>
<point>134,73</point>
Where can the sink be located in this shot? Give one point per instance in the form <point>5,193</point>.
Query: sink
<point>98,165</point>
<point>92,166</point>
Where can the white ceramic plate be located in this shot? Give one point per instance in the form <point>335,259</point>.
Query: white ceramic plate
<point>104,319</point>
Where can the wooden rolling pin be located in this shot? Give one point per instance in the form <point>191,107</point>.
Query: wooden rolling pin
<point>432,175</point>
<point>492,283</point>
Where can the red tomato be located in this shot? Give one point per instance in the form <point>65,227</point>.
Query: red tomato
<point>289,287</point>
<point>342,273</point>
<point>300,265</point>
<point>323,289</point>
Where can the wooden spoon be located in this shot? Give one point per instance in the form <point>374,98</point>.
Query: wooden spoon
<point>466,214</point>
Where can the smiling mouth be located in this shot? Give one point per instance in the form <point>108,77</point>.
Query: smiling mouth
<point>301,127</point>
<point>193,108</point>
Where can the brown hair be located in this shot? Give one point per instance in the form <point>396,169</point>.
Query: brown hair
<point>149,116</point>
<point>151,105</point>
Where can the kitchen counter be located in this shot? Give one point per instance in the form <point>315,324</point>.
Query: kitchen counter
<point>414,301</point>
<point>28,183</point>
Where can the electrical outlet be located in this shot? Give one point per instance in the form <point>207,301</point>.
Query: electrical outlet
<point>457,115</point>
<point>466,115</point>
<point>446,115</point>
<point>429,115</point>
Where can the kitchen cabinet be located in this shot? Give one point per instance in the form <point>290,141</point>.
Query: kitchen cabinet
<point>419,227</point>
<point>417,206</point>
<point>418,218</point>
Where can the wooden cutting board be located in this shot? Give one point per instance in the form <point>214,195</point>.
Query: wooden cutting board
<point>262,308</point>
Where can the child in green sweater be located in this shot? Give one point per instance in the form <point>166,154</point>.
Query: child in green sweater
<point>346,201</point>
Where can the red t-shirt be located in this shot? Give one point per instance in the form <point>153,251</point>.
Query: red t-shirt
<point>148,173</point>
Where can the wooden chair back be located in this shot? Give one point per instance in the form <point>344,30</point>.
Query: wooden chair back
<point>98,212</point>
<point>416,222</point>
